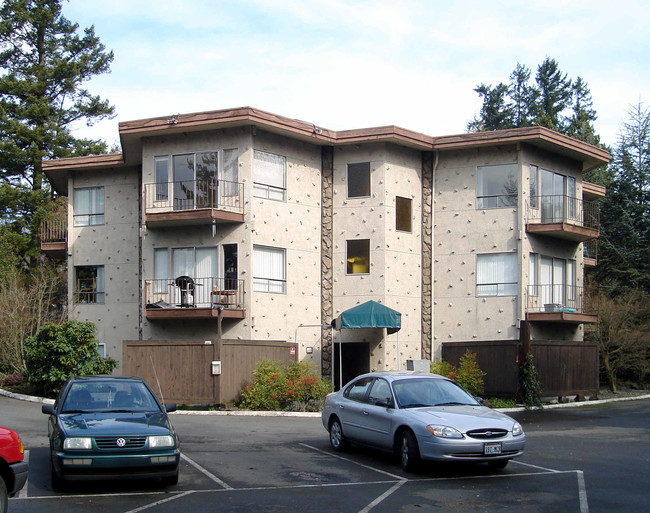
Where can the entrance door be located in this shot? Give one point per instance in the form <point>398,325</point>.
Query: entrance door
<point>356,360</point>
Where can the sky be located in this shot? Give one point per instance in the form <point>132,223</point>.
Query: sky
<point>346,64</point>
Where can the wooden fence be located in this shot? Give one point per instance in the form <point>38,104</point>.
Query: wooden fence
<point>564,368</point>
<point>185,370</point>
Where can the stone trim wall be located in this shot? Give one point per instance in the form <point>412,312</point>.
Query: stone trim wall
<point>427,254</point>
<point>327,248</point>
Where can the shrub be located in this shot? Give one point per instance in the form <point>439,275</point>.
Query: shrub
<point>530,387</point>
<point>60,351</point>
<point>497,402</point>
<point>13,380</point>
<point>278,386</point>
<point>468,374</point>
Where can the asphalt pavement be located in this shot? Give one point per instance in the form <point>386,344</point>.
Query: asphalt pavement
<point>593,458</point>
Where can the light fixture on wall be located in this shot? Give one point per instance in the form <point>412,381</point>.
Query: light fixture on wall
<point>214,228</point>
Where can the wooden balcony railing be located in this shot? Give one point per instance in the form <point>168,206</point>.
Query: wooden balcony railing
<point>54,230</point>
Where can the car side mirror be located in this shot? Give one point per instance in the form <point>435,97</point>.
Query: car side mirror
<point>48,409</point>
<point>170,407</point>
<point>385,403</point>
<point>480,400</point>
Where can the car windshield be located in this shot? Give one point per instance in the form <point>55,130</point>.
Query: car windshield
<point>113,396</point>
<point>414,393</point>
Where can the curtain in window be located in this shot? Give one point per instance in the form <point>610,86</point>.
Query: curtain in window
<point>160,270</point>
<point>88,206</point>
<point>269,269</point>
<point>496,274</point>
<point>269,175</point>
<point>230,173</point>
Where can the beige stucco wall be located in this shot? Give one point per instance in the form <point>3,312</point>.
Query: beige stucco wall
<point>395,276</point>
<point>113,245</point>
<point>461,231</point>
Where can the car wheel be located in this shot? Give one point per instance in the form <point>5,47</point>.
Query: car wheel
<point>337,438</point>
<point>170,480</point>
<point>4,497</point>
<point>497,464</point>
<point>409,452</point>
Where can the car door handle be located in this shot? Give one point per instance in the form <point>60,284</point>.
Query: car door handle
<point>341,407</point>
<point>366,412</point>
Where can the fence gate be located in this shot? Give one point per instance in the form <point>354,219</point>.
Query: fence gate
<point>183,368</point>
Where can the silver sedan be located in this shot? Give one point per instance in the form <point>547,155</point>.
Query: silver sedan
<point>420,417</point>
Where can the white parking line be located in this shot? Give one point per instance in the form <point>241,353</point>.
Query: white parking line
<point>397,478</point>
<point>582,492</point>
<point>207,473</point>
<point>534,466</point>
<point>158,503</point>
<point>383,496</point>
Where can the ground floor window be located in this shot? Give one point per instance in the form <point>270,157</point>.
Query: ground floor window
<point>496,274</point>
<point>269,269</point>
<point>89,284</point>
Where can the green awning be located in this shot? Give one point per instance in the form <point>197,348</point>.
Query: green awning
<point>369,315</point>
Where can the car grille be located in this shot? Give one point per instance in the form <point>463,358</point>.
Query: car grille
<point>487,434</point>
<point>111,442</point>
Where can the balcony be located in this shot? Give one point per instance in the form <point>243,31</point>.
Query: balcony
<point>194,298</point>
<point>54,237</point>
<point>558,303</point>
<point>590,252</point>
<point>193,202</point>
<point>563,217</point>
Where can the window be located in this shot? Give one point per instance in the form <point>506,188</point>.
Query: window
<point>380,391</point>
<point>359,180</point>
<point>269,269</point>
<point>89,284</point>
<point>269,176</point>
<point>161,170</point>
<point>532,275</point>
<point>101,349</point>
<point>403,214</point>
<point>160,270</point>
<point>357,391</point>
<point>557,282</point>
<point>358,256</point>
<point>534,191</point>
<point>89,206</point>
<point>496,274</point>
<point>496,186</point>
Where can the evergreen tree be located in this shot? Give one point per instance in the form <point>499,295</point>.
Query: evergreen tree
<point>581,122</point>
<point>44,63</point>
<point>523,97</point>
<point>624,247</point>
<point>554,95</point>
<point>495,112</point>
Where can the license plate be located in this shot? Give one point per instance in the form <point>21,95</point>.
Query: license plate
<point>492,448</point>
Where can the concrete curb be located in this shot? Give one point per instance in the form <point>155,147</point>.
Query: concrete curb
<point>250,413</point>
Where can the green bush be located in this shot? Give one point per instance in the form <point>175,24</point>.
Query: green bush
<point>468,374</point>
<point>497,402</point>
<point>60,351</point>
<point>278,386</point>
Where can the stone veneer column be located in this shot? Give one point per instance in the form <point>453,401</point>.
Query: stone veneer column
<point>327,247</point>
<point>427,252</point>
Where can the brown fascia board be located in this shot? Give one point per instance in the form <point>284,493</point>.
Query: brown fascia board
<point>57,170</point>
<point>593,191</point>
<point>270,122</point>
<point>590,156</point>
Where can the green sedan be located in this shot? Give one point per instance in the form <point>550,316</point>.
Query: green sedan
<point>107,427</point>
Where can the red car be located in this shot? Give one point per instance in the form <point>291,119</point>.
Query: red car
<point>13,468</point>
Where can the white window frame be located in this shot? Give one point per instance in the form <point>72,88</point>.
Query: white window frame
<point>92,213</point>
<point>267,184</point>
<point>269,269</point>
<point>493,276</point>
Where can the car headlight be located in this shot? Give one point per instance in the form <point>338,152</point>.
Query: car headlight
<point>517,429</point>
<point>444,432</point>
<point>78,443</point>
<point>161,441</point>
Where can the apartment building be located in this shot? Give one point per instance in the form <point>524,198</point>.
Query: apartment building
<point>243,225</point>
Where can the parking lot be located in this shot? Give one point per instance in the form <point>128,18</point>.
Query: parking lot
<point>578,460</point>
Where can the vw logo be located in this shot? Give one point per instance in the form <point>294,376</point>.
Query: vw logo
<point>120,442</point>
